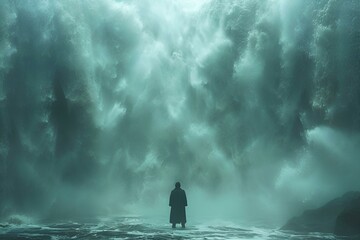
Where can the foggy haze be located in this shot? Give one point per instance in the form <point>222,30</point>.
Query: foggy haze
<point>253,105</point>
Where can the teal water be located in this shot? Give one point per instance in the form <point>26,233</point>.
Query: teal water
<point>137,228</point>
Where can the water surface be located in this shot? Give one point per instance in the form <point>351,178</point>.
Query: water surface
<point>138,228</point>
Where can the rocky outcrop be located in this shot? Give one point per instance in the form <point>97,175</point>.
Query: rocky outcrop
<point>348,221</point>
<point>340,216</point>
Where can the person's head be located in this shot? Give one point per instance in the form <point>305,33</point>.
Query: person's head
<point>177,185</point>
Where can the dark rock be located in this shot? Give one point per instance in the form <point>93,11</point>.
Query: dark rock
<point>323,219</point>
<point>348,221</point>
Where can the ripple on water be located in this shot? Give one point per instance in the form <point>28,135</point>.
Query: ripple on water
<point>135,228</point>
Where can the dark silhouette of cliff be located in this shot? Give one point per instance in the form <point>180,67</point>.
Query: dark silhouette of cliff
<point>340,216</point>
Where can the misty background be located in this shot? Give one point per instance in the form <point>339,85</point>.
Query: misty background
<point>253,105</point>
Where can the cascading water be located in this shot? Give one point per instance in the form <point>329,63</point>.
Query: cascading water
<point>254,105</point>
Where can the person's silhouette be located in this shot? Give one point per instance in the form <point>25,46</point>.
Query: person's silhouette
<point>178,202</point>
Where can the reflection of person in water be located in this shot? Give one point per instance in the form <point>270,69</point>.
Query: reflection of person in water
<point>178,202</point>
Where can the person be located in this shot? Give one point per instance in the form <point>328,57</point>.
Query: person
<point>177,202</point>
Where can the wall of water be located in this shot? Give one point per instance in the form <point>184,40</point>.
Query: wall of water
<point>254,105</point>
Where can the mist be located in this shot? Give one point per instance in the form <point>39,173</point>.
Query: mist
<point>253,105</point>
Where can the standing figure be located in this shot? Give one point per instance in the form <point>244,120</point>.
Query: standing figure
<point>178,202</point>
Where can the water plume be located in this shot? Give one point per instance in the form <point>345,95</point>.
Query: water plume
<point>104,105</point>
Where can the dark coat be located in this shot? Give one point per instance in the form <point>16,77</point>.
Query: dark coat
<point>178,202</point>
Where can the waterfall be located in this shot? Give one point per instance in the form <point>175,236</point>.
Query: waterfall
<point>254,105</point>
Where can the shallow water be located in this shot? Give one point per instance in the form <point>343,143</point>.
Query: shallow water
<point>137,228</point>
